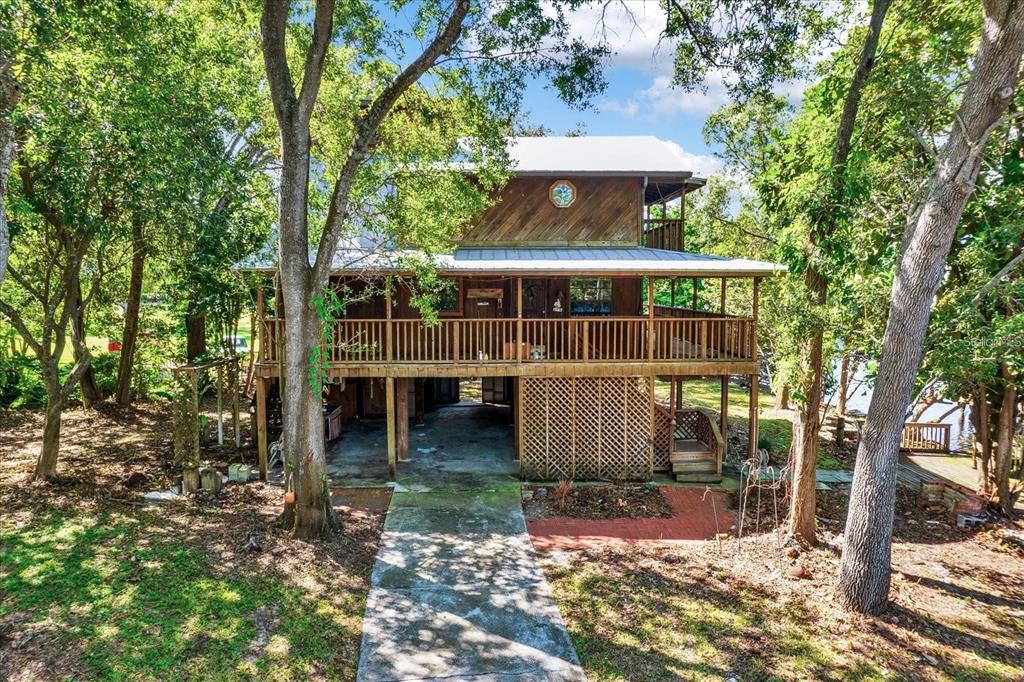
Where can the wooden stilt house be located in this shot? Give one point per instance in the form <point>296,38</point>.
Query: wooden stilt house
<point>572,296</point>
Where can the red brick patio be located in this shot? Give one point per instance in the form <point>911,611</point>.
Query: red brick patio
<point>694,519</point>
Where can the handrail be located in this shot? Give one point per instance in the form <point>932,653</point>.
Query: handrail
<point>617,338</point>
<point>926,437</point>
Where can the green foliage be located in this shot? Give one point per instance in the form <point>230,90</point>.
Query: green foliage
<point>785,158</point>
<point>21,384</point>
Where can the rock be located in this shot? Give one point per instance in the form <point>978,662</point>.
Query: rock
<point>798,571</point>
<point>135,479</point>
<point>541,492</point>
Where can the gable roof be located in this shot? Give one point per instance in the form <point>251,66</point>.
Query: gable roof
<point>607,155</point>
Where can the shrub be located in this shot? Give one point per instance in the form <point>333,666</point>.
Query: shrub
<point>21,383</point>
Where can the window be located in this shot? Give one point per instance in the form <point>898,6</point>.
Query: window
<point>449,299</point>
<point>591,297</point>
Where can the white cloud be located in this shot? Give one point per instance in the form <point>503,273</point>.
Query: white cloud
<point>628,108</point>
<point>702,165</point>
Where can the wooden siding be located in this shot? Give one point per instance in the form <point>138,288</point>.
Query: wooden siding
<point>606,211</point>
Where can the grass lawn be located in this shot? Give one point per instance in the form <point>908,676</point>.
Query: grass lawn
<point>92,587</point>
<point>654,611</point>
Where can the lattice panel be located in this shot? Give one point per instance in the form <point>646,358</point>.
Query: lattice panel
<point>662,438</point>
<point>586,428</point>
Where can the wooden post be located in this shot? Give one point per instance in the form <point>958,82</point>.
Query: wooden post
<point>752,417</point>
<point>420,397</point>
<point>650,319</point>
<point>194,376</point>
<point>220,404</point>
<point>235,411</point>
<point>261,425</point>
<point>519,319</point>
<point>402,418</point>
<point>753,333</point>
<point>672,296</point>
<point>721,306</point>
<point>693,305</point>
<point>650,450</point>
<point>723,413</point>
<point>261,337</point>
<point>389,389</point>
<point>388,323</point>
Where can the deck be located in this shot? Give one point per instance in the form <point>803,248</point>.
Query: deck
<point>701,343</point>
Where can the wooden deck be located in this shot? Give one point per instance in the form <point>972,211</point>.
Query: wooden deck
<point>953,470</point>
<point>471,343</point>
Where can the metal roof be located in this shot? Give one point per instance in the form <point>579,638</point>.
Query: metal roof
<point>608,155</point>
<point>550,261</point>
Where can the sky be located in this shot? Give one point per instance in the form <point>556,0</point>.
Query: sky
<point>639,99</point>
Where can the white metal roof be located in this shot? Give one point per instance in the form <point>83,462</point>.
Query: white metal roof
<point>547,261</point>
<point>613,154</point>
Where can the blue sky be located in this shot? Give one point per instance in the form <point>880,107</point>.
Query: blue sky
<point>639,99</point>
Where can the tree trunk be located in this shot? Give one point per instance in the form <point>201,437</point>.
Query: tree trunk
<point>865,567</point>
<point>1004,442</point>
<point>10,93</point>
<point>129,336</point>
<point>808,420</point>
<point>195,335</point>
<point>844,388</point>
<point>983,442</point>
<point>782,398</point>
<point>90,391</point>
<point>46,465</point>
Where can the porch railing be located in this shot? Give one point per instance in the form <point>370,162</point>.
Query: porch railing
<point>572,339</point>
<point>664,233</point>
<point>925,437</point>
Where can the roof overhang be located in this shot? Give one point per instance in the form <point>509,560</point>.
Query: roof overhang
<point>548,262</point>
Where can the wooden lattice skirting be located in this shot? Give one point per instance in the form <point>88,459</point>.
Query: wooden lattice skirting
<point>586,428</point>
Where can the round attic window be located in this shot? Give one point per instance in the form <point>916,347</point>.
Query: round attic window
<point>562,193</point>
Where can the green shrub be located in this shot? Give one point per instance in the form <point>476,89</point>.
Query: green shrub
<point>21,383</point>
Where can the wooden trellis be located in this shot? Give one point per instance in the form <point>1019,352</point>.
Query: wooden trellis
<point>187,410</point>
<point>586,428</point>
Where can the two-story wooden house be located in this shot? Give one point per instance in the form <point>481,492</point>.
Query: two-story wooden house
<point>555,306</point>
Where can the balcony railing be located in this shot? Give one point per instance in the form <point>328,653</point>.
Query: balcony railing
<point>664,233</point>
<point>572,339</point>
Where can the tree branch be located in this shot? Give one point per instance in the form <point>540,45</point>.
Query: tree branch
<point>366,130</point>
<point>275,58</point>
<point>312,72</point>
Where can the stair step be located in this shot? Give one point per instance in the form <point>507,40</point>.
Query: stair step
<point>699,478</point>
<point>694,467</point>
<point>691,456</point>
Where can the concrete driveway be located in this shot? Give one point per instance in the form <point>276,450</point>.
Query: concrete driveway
<point>456,589</point>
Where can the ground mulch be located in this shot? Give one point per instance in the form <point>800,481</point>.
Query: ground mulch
<point>596,502</point>
<point>109,458</point>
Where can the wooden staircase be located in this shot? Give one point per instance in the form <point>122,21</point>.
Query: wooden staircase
<point>695,444</point>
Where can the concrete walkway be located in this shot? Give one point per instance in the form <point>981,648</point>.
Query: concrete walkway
<point>456,589</point>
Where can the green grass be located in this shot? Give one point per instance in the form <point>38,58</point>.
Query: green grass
<point>660,625</point>
<point>131,600</point>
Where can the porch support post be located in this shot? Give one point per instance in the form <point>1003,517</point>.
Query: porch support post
<point>672,297</point>
<point>387,309</point>
<point>389,390</point>
<point>519,319</point>
<point>420,386</point>
<point>261,425</point>
<point>721,304</point>
<point>261,331</point>
<point>693,305</point>
<point>402,418</point>
<point>235,386</point>
<point>752,417</point>
<point>650,319</point>
<point>723,407</point>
